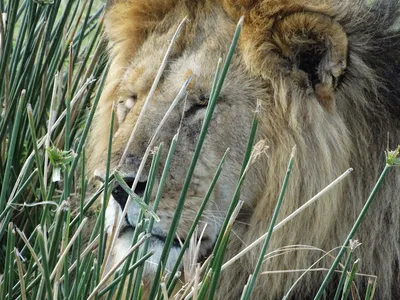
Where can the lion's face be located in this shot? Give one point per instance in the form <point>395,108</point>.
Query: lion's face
<point>229,128</point>
<point>315,66</point>
<point>204,40</point>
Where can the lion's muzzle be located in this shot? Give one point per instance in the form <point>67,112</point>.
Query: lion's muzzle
<point>121,196</point>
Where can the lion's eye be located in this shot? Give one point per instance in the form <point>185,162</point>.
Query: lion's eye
<point>203,100</point>
<point>130,102</point>
<point>124,106</point>
<point>195,104</point>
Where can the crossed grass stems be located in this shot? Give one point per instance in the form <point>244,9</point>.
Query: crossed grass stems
<point>49,264</point>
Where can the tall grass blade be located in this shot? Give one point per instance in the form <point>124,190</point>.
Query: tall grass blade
<point>211,106</point>
<point>250,286</point>
<point>361,216</point>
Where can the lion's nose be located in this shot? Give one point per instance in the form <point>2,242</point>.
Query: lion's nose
<point>121,196</point>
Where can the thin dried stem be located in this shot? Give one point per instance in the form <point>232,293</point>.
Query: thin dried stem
<point>20,274</point>
<point>70,244</point>
<point>153,87</point>
<point>117,265</point>
<point>288,218</point>
<point>143,162</point>
<point>88,250</point>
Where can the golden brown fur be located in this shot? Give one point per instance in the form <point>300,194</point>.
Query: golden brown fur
<point>325,72</point>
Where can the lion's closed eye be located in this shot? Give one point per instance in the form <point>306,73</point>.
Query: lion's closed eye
<point>130,102</point>
<point>124,106</point>
<point>196,103</point>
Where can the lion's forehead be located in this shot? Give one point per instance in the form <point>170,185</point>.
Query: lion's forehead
<point>200,43</point>
<point>198,60</point>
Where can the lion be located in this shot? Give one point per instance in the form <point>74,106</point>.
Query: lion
<point>326,75</point>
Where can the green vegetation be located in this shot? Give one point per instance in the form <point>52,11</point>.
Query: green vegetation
<point>52,70</point>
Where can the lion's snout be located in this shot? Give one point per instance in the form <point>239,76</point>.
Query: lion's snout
<point>121,196</point>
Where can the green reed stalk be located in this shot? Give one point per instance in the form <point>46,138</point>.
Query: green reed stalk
<point>219,249</point>
<point>344,275</point>
<point>147,194</point>
<point>196,221</point>
<point>210,110</point>
<point>250,285</point>
<point>349,280</point>
<point>45,265</point>
<point>353,231</point>
<point>11,149</point>
<point>118,279</point>
<point>106,197</point>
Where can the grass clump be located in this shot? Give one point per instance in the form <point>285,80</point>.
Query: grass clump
<point>52,60</point>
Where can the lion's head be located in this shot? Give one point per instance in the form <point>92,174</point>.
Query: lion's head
<point>313,66</point>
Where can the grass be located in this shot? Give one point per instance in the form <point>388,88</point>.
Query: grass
<point>53,67</point>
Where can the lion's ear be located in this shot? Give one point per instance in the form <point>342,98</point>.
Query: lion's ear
<point>316,48</point>
<point>304,45</point>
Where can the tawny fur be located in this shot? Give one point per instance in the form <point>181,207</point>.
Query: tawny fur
<point>326,74</point>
